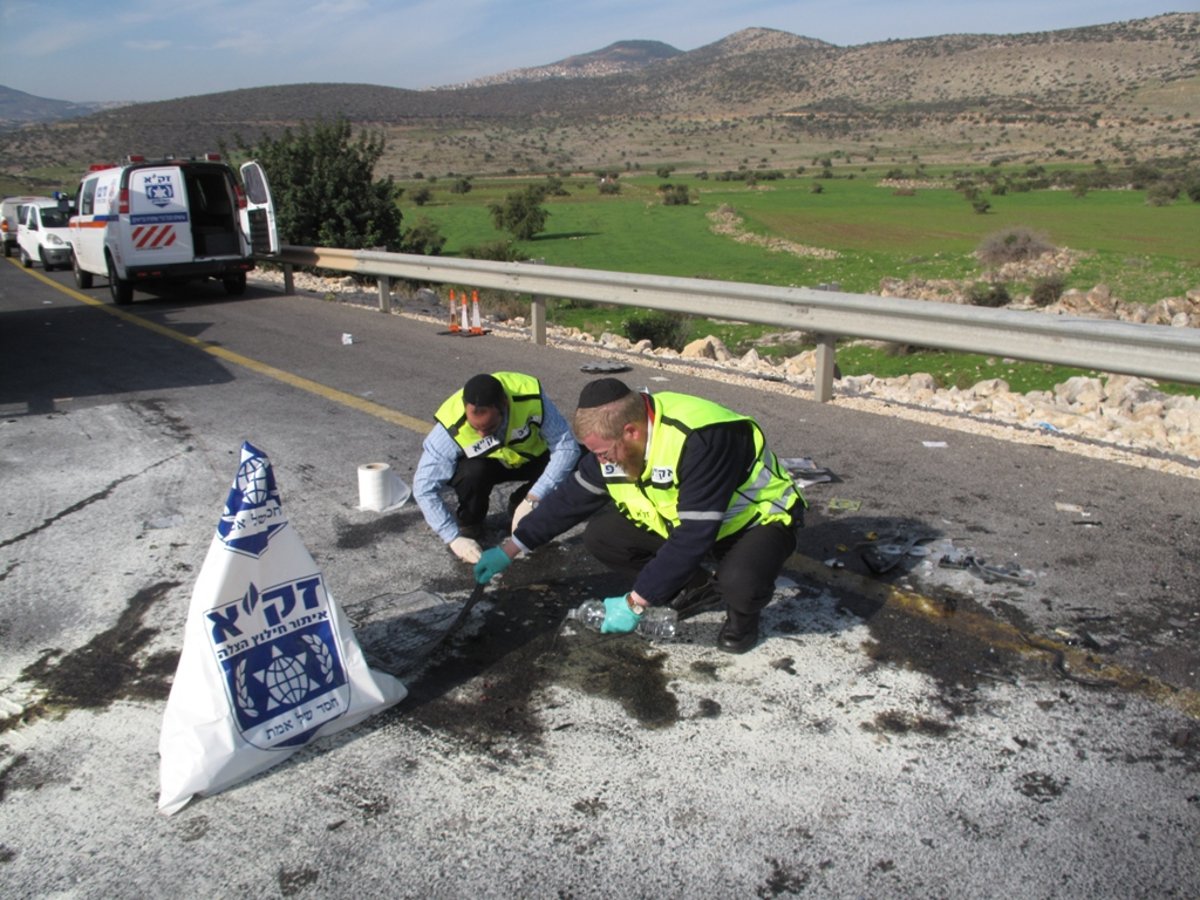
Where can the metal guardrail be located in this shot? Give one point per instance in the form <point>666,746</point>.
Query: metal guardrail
<point>1150,351</point>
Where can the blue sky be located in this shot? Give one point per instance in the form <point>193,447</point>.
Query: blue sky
<point>85,50</point>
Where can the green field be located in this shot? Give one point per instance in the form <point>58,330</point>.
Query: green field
<point>1142,252</point>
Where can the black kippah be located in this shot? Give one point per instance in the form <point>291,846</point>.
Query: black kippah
<point>484,390</point>
<point>602,391</point>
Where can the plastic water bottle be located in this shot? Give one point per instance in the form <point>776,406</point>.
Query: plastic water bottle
<point>589,614</point>
<point>657,622</point>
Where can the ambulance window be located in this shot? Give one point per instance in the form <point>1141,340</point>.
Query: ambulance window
<point>256,190</point>
<point>54,218</point>
<point>87,197</point>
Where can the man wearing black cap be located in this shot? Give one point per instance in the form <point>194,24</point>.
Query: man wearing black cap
<point>686,478</point>
<point>498,428</point>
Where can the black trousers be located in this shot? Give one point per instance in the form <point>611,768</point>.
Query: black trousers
<point>747,562</point>
<point>474,479</point>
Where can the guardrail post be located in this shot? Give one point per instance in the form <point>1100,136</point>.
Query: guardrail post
<point>385,293</point>
<point>537,314</point>
<point>823,379</point>
<point>537,320</point>
<point>289,280</point>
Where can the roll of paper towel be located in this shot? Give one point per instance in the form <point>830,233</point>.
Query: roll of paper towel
<point>380,489</point>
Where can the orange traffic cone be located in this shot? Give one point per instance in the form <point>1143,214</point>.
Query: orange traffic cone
<point>476,321</point>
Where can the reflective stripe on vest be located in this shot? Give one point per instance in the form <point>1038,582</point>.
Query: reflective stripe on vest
<point>523,440</point>
<point>766,495</point>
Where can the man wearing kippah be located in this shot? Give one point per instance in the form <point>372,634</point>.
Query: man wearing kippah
<point>671,479</point>
<point>499,428</point>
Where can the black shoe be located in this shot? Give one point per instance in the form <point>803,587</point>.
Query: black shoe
<point>692,601</point>
<point>515,498</point>
<point>739,633</point>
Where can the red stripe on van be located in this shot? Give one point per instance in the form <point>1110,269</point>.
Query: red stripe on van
<point>153,237</point>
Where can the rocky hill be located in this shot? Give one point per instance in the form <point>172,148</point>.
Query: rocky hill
<point>623,56</point>
<point>758,96</point>
<point>18,108</point>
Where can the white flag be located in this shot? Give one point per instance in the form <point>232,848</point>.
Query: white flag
<point>269,661</point>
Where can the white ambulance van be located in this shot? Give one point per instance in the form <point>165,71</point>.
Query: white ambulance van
<point>170,220</point>
<point>42,232</point>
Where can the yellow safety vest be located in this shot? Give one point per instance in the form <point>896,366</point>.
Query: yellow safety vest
<point>766,495</point>
<point>521,443</point>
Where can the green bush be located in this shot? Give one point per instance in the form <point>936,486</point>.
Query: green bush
<point>986,293</point>
<point>1012,245</point>
<point>1047,290</point>
<point>496,251</point>
<point>662,329</point>
<point>674,194</point>
<point>324,187</point>
<point>521,214</point>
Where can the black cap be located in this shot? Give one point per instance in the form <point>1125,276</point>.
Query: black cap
<point>484,390</point>
<point>602,391</point>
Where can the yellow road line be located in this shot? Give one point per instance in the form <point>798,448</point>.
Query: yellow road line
<point>334,395</point>
<point>994,633</point>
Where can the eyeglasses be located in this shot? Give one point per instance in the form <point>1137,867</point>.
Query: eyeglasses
<point>608,453</point>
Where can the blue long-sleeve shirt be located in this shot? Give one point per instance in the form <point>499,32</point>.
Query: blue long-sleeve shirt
<point>441,453</point>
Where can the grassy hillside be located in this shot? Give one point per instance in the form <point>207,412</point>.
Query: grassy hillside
<point>758,98</point>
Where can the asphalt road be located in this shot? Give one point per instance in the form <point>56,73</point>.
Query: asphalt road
<point>916,732</point>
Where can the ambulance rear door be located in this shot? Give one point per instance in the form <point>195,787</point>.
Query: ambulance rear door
<point>259,215</point>
<point>155,219</point>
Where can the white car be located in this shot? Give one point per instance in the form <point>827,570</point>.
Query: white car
<point>42,233</point>
<point>8,221</point>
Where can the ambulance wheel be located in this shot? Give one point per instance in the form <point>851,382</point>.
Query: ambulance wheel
<point>42,257</point>
<point>83,280</point>
<point>122,291</point>
<point>26,259</point>
<point>235,285</point>
<point>7,249</point>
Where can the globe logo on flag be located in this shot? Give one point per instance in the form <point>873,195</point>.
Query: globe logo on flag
<point>252,480</point>
<point>253,513</point>
<point>287,682</point>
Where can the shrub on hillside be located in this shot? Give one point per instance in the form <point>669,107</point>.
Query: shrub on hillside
<point>496,251</point>
<point>1047,290</point>
<point>1012,245</point>
<point>662,329</point>
<point>985,293</point>
<point>674,194</point>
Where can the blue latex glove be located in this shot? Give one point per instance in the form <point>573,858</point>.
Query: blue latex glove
<point>492,563</point>
<point>618,617</point>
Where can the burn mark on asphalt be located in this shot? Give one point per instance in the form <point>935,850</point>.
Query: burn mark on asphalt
<point>70,510</point>
<point>895,721</point>
<point>1040,787</point>
<point>107,668</point>
<point>7,768</point>
<point>782,880</point>
<point>80,505</point>
<point>154,412</point>
<point>955,658</point>
<point>352,536</point>
<point>293,881</point>
<point>483,687</point>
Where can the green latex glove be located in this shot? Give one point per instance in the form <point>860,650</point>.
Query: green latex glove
<point>491,563</point>
<point>618,617</point>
